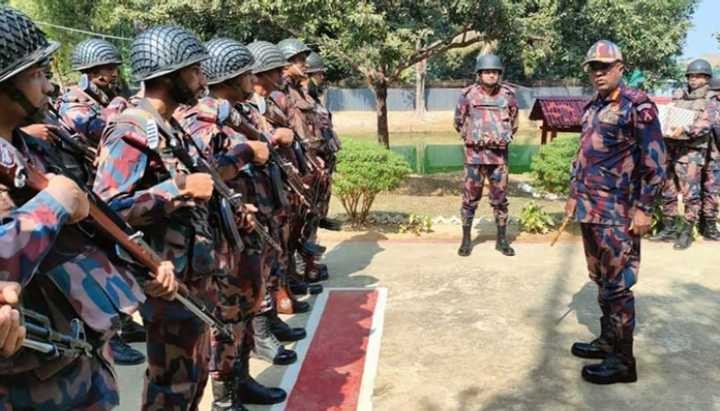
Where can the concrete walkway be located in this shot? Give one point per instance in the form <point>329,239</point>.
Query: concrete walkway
<point>493,333</point>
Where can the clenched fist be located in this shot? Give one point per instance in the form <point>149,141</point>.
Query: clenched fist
<point>73,199</point>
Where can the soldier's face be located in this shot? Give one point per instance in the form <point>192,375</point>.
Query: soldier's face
<point>489,78</point>
<point>319,78</point>
<point>35,85</point>
<point>696,81</point>
<point>106,75</point>
<point>193,78</point>
<point>605,77</point>
<point>298,65</point>
<point>247,83</point>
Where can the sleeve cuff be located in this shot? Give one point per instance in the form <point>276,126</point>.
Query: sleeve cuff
<point>48,200</point>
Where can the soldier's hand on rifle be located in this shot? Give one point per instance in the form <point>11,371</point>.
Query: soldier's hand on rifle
<point>198,186</point>
<point>283,136</point>
<point>73,199</point>
<point>676,132</point>
<point>12,333</point>
<point>570,206</point>
<point>261,152</point>
<point>164,284</point>
<point>248,222</point>
<point>641,221</point>
<point>45,132</point>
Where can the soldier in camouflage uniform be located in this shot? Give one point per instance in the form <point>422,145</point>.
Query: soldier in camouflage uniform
<point>618,172</point>
<point>711,171</point>
<point>687,150</point>
<point>486,116</point>
<point>211,122</point>
<point>141,177</point>
<point>46,251</point>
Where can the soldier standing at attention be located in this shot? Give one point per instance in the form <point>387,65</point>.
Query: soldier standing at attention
<point>486,116</point>
<point>711,171</point>
<point>618,172</point>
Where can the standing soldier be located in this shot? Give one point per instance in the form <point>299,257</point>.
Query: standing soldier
<point>85,109</point>
<point>487,118</point>
<point>711,171</point>
<point>47,255</point>
<point>140,175</point>
<point>687,151</point>
<point>618,172</point>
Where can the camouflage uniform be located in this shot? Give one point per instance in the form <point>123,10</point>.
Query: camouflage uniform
<point>711,171</point>
<point>487,123</point>
<point>620,167</point>
<point>687,158</point>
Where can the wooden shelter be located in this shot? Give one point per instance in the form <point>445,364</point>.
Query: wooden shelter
<point>558,114</point>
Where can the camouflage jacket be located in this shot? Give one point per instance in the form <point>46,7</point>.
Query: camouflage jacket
<point>302,116</point>
<point>622,160</point>
<point>330,143</point>
<point>83,113</point>
<point>140,177</point>
<point>487,123</point>
<point>59,266</point>
<point>695,136</point>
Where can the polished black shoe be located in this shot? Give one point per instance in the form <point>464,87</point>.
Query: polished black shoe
<point>612,370</point>
<point>709,230</point>
<point>466,245</point>
<point>316,272</point>
<point>668,231</point>
<point>282,331</point>
<point>297,286</point>
<point>685,239</point>
<point>132,331</point>
<point>300,307</point>
<point>330,224</point>
<point>597,348</point>
<point>502,244</point>
<point>312,249</point>
<point>315,289</point>
<point>225,396</point>
<point>250,391</point>
<point>123,354</point>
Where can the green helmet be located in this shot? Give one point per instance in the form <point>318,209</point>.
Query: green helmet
<point>162,50</point>
<point>292,47</point>
<point>715,84</point>
<point>488,62</point>
<point>603,51</point>
<point>699,66</point>
<point>267,56</point>
<point>23,43</point>
<point>315,64</point>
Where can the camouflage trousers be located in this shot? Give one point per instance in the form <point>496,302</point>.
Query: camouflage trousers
<point>684,177</point>
<point>613,259</point>
<point>497,177</point>
<point>711,186</point>
<point>87,384</point>
<point>225,355</point>
<point>177,353</point>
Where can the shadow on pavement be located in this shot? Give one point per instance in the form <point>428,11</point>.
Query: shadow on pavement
<point>350,257</point>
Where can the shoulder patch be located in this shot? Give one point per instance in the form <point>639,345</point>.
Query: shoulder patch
<point>143,122</point>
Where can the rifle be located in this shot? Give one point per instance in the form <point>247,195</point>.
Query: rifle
<point>74,141</point>
<point>41,337</point>
<point>239,121</point>
<point>231,203</point>
<point>108,221</point>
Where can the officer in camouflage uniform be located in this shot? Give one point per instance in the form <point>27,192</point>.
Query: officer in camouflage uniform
<point>210,122</point>
<point>85,108</point>
<point>618,172</point>
<point>140,176</point>
<point>486,116</point>
<point>47,254</point>
<point>711,171</point>
<point>687,150</point>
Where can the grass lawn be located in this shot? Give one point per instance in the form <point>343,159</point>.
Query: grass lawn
<point>524,136</point>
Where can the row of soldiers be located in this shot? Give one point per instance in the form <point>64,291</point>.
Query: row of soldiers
<point>196,201</point>
<point>694,168</point>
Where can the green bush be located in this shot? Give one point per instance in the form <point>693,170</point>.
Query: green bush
<point>533,219</point>
<point>365,169</point>
<point>551,167</point>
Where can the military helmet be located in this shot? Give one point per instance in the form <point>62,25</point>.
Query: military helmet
<point>715,84</point>
<point>228,59</point>
<point>162,50</point>
<point>22,43</point>
<point>292,47</point>
<point>699,66</point>
<point>94,52</point>
<point>603,51</point>
<point>488,62</point>
<point>267,56</point>
<point>315,63</point>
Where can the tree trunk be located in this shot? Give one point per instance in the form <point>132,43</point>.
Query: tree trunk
<point>420,78</point>
<point>380,89</point>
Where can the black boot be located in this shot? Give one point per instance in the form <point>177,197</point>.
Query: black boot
<point>618,366</point>
<point>685,238</point>
<point>502,244</point>
<point>282,331</point>
<point>330,224</point>
<point>297,286</point>
<point>123,354</point>
<point>668,231</point>
<point>249,391</point>
<point>225,397</point>
<point>466,245</point>
<point>597,348</point>
<point>709,229</point>
<point>132,331</point>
